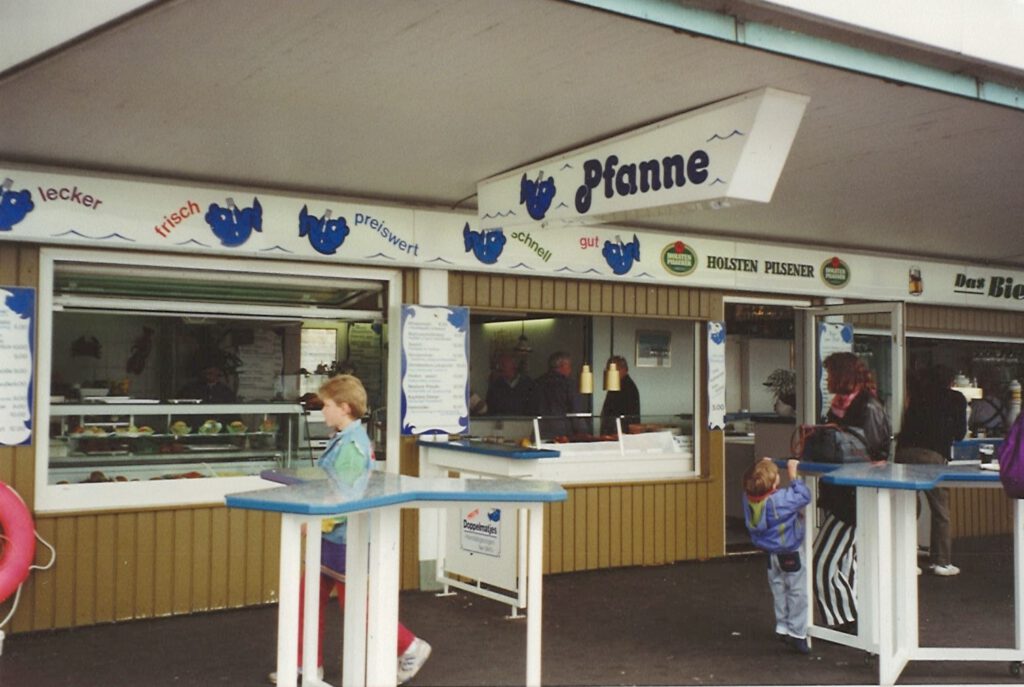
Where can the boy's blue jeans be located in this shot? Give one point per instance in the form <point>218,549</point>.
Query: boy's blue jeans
<point>787,576</point>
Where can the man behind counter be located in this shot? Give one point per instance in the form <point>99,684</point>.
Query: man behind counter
<point>209,387</point>
<point>554,396</point>
<point>624,403</point>
<point>509,392</point>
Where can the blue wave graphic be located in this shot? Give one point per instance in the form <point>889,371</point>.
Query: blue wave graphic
<point>75,232</point>
<point>735,132</point>
<point>194,242</point>
<point>276,248</point>
<point>509,213</point>
<point>447,262</point>
<point>567,165</point>
<point>718,180</point>
<point>646,274</point>
<point>592,270</point>
<point>561,205</point>
<point>522,265</point>
<point>379,255</point>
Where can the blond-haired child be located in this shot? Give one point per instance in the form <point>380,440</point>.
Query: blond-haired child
<point>775,520</point>
<point>348,460</point>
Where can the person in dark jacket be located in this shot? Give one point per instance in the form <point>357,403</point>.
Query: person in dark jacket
<point>555,396</point>
<point>935,417</point>
<point>854,405</point>
<point>509,391</point>
<point>624,403</point>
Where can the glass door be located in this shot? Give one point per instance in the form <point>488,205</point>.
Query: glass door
<point>872,331</point>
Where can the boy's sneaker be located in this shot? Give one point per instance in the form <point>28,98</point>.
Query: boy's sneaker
<point>800,644</point>
<point>412,660</point>
<point>319,675</point>
<point>948,570</point>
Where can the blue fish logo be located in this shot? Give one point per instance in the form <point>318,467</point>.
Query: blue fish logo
<point>325,234</point>
<point>494,515</point>
<point>14,205</point>
<point>717,332</point>
<point>233,225</point>
<point>537,195</point>
<point>486,245</point>
<point>621,256</point>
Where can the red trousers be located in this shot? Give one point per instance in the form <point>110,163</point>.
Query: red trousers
<point>327,583</point>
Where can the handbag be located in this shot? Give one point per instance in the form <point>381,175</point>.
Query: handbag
<point>1011,460</point>
<point>830,443</point>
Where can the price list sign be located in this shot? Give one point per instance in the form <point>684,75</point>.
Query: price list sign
<point>435,370</point>
<point>17,310</point>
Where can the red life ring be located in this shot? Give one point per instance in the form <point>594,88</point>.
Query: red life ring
<point>19,541</point>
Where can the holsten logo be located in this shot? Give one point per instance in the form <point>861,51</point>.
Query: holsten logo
<point>835,273</point>
<point>678,259</point>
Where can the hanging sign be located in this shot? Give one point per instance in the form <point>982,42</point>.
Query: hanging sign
<point>716,374</point>
<point>17,310</point>
<point>727,153</point>
<point>435,370</point>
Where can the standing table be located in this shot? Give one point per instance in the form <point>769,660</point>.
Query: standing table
<point>886,541</point>
<point>371,612</point>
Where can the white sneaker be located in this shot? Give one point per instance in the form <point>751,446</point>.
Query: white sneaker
<point>947,570</point>
<point>319,675</point>
<point>412,660</point>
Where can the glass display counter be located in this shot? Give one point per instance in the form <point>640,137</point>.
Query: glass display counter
<point>130,441</point>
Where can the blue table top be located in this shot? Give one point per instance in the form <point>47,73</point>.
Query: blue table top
<point>313,494</point>
<point>491,449</point>
<point>901,476</point>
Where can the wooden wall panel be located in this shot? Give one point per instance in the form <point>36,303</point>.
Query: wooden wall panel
<point>615,525</point>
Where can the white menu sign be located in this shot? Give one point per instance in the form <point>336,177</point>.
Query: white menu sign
<point>435,370</point>
<point>17,310</point>
<point>716,374</point>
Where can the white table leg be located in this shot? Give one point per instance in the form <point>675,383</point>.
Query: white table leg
<point>382,618</point>
<point>904,560</point>
<point>356,587</point>
<point>311,604</point>
<point>288,604</point>
<point>1018,572</point>
<point>534,594</point>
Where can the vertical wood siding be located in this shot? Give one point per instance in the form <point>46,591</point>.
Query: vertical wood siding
<point>614,525</point>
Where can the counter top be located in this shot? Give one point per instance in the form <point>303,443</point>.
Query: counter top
<point>491,449</point>
<point>895,475</point>
<point>319,496</point>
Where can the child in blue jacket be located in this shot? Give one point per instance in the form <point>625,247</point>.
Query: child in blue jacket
<point>775,520</point>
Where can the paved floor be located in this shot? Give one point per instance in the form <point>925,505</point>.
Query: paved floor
<point>704,623</point>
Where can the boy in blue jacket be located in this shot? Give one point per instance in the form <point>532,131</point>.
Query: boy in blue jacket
<point>775,520</point>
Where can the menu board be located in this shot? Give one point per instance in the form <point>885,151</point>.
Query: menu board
<point>716,374</point>
<point>366,353</point>
<point>17,310</point>
<point>260,372</point>
<point>435,370</point>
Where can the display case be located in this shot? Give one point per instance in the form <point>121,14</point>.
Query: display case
<point>127,440</point>
<point>649,447</point>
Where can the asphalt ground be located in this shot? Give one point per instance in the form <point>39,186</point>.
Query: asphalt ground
<point>694,623</point>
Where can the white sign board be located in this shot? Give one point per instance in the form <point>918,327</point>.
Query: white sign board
<point>435,370</point>
<point>726,153</point>
<point>17,310</point>
<point>716,374</point>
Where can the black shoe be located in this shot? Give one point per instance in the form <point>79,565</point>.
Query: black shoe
<point>800,645</point>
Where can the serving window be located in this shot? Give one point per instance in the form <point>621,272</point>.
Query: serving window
<point>175,380</point>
